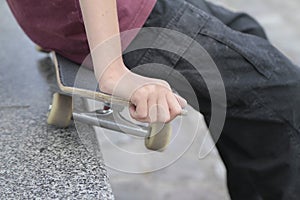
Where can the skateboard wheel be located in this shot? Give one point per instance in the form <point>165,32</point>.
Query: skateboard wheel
<point>159,136</point>
<point>60,113</point>
<point>40,49</point>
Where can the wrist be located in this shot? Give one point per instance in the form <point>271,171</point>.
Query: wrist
<point>111,75</point>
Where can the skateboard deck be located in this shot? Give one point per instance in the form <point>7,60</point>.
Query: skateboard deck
<point>75,79</point>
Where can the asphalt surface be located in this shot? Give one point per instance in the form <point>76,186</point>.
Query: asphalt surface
<point>38,161</point>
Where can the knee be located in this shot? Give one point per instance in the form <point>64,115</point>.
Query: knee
<point>237,21</point>
<point>247,24</point>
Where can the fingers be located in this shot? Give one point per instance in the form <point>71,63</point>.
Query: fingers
<point>163,111</point>
<point>174,106</point>
<point>132,111</point>
<point>158,105</point>
<point>152,109</point>
<point>140,108</point>
<point>181,101</point>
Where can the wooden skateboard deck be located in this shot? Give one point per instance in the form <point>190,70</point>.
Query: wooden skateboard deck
<point>74,79</point>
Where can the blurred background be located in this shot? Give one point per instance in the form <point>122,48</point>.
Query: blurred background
<point>41,161</point>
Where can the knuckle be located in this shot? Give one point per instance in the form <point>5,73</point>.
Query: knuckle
<point>151,89</point>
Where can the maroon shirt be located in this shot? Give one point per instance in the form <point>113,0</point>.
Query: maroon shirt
<point>57,24</point>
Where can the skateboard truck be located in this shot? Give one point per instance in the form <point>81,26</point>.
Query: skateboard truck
<point>111,120</point>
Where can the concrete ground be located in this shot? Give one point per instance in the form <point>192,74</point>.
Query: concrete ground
<point>42,162</point>
<point>38,161</point>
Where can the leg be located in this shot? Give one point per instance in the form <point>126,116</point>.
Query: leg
<point>238,21</point>
<point>260,142</point>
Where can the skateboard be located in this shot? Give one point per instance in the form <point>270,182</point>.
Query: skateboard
<point>74,80</point>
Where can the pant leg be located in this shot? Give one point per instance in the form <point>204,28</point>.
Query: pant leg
<point>260,142</point>
<point>237,21</point>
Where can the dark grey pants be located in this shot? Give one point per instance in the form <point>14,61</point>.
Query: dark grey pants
<point>260,142</point>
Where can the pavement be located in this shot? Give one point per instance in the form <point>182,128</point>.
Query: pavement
<point>38,161</point>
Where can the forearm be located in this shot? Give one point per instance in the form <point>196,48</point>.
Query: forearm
<point>102,29</point>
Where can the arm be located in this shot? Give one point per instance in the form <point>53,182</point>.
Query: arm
<point>153,99</point>
<point>101,24</point>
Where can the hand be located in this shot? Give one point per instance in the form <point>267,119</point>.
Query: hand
<point>155,102</point>
<point>152,100</point>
